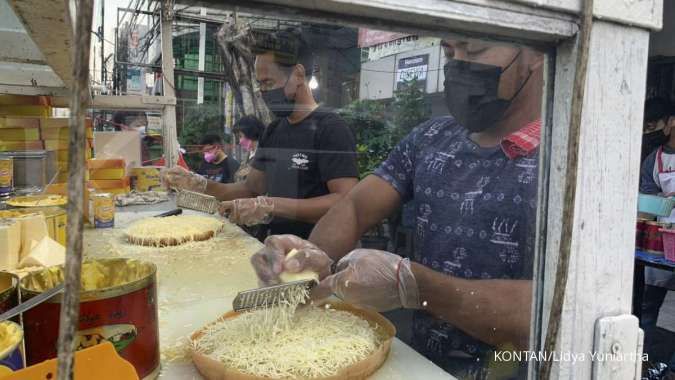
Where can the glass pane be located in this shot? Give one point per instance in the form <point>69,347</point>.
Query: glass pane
<point>427,148</point>
<point>403,169</point>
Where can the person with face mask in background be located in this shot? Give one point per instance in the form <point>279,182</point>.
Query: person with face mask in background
<point>657,114</point>
<point>218,165</point>
<point>306,158</point>
<point>248,130</point>
<point>472,176</point>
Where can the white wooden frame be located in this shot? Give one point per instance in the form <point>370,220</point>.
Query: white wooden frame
<point>601,262</point>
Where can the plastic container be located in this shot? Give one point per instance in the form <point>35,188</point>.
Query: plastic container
<point>653,204</point>
<point>669,244</point>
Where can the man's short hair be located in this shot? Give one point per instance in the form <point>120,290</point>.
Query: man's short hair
<point>289,48</point>
<point>657,109</point>
<point>212,139</point>
<point>250,126</point>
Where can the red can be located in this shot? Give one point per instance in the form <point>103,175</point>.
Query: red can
<point>124,314</point>
<point>653,237</point>
<point>9,292</point>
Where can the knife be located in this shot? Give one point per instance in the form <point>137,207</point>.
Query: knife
<point>170,213</point>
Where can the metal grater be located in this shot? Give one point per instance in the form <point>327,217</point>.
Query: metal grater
<point>197,201</point>
<point>267,296</point>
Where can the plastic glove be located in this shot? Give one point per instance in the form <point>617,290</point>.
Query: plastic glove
<point>182,179</point>
<point>248,211</point>
<point>270,261</point>
<point>372,279</point>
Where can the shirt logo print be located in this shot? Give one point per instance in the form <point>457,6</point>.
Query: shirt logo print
<point>300,161</point>
<point>466,207</point>
<point>437,162</point>
<point>423,219</point>
<point>529,166</point>
<point>502,235</point>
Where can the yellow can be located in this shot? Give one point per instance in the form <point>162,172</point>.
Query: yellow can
<point>104,210</point>
<point>146,178</point>
<point>6,175</point>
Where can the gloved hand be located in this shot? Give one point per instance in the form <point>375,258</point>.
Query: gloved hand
<point>372,279</point>
<point>248,211</point>
<point>270,261</point>
<point>182,179</point>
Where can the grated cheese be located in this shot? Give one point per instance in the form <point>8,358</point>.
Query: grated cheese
<point>280,342</point>
<point>172,230</point>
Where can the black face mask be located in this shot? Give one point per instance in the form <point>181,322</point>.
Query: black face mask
<point>277,102</point>
<point>471,93</point>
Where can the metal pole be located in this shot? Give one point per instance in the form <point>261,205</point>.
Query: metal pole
<point>103,70</point>
<point>202,58</point>
<point>79,100</point>
<point>169,135</point>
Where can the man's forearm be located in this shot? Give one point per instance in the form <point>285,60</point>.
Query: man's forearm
<point>495,311</point>
<point>308,210</point>
<point>229,191</point>
<point>338,231</point>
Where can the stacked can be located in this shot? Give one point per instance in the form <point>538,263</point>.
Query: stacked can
<point>6,176</point>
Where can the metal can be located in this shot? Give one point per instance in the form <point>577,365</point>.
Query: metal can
<point>11,355</point>
<point>9,292</point>
<point>104,210</point>
<point>6,176</point>
<point>118,303</point>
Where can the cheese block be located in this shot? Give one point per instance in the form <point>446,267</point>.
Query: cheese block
<point>46,253</point>
<point>8,146</point>
<point>20,134</point>
<point>55,144</point>
<point>10,243</point>
<point>118,190</point>
<point>117,173</point>
<point>61,122</point>
<point>110,183</point>
<point>14,110</point>
<point>108,163</point>
<point>287,277</point>
<point>19,122</point>
<point>62,133</point>
<point>33,230</point>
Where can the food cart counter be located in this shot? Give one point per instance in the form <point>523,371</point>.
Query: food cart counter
<point>197,283</point>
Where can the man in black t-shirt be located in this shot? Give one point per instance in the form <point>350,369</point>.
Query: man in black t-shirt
<point>306,159</point>
<point>218,165</point>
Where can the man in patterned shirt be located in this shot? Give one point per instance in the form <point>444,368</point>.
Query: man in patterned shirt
<point>472,177</point>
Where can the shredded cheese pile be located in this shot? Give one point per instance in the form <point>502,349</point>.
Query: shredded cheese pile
<point>280,342</point>
<point>172,230</point>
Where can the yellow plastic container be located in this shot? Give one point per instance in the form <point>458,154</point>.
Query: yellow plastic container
<point>145,178</point>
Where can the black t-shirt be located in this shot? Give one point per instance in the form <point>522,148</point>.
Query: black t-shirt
<point>222,172</point>
<point>299,160</point>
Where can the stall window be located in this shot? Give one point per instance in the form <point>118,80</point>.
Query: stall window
<point>411,160</point>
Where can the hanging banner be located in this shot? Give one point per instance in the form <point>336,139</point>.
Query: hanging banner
<point>370,37</point>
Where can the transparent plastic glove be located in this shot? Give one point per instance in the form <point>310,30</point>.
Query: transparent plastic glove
<point>270,261</point>
<point>248,211</point>
<point>182,179</point>
<point>372,279</point>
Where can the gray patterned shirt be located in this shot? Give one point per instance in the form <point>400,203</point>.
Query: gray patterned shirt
<point>475,213</point>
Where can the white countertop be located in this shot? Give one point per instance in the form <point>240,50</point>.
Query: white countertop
<point>197,283</point>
